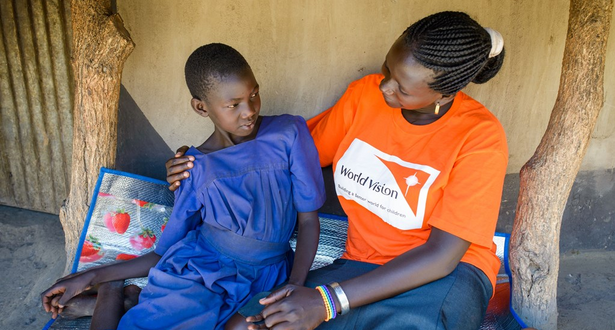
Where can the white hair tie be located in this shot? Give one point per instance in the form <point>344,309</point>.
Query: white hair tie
<point>497,42</point>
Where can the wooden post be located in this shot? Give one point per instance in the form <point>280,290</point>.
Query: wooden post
<point>100,47</point>
<point>547,178</point>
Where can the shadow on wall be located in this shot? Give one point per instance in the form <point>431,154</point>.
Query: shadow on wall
<point>140,149</point>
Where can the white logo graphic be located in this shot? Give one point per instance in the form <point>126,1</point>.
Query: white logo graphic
<point>411,181</point>
<point>362,175</point>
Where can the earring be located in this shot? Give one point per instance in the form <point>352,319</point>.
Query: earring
<point>437,108</point>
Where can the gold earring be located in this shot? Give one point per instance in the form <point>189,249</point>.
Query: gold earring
<point>437,108</point>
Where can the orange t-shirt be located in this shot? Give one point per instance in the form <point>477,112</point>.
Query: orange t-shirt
<point>396,180</point>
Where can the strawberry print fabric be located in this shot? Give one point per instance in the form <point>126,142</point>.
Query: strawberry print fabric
<point>128,216</point>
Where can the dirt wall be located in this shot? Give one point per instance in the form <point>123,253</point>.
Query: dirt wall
<point>304,53</point>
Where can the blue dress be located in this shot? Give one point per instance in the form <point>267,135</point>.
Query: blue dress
<point>227,238</point>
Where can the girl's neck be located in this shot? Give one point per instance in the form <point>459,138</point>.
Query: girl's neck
<point>219,140</point>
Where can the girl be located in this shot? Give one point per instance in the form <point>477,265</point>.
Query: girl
<point>228,236</point>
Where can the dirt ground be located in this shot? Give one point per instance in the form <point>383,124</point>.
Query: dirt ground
<point>32,257</point>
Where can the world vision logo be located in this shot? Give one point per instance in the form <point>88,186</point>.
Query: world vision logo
<point>394,190</point>
<point>410,180</point>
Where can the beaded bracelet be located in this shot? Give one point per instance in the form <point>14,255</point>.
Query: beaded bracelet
<point>328,300</point>
<point>331,301</point>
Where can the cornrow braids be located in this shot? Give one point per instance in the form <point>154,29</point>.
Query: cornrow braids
<point>209,64</point>
<point>455,47</point>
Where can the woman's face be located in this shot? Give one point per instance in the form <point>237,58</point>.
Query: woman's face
<point>406,82</point>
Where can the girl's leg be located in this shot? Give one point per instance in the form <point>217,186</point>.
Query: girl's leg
<point>109,306</point>
<point>172,301</point>
<point>236,322</point>
<point>131,296</point>
<point>79,306</point>
<point>83,305</point>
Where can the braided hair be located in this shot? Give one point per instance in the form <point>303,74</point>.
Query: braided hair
<point>455,47</point>
<point>209,64</point>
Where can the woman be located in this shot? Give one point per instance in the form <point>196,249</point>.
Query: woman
<point>418,168</point>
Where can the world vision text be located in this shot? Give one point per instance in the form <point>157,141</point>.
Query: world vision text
<point>366,181</point>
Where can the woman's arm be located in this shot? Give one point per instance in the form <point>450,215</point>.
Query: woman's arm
<point>307,243</point>
<point>431,261</point>
<point>73,284</point>
<point>435,259</point>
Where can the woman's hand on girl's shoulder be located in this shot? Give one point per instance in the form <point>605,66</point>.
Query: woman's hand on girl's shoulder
<point>291,307</point>
<point>177,167</point>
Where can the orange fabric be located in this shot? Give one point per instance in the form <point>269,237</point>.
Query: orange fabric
<point>396,180</point>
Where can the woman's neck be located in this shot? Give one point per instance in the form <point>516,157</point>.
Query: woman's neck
<point>425,116</point>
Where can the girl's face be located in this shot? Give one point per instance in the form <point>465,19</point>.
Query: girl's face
<point>233,105</point>
<point>406,82</point>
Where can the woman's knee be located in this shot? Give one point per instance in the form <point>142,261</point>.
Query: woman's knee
<point>466,303</point>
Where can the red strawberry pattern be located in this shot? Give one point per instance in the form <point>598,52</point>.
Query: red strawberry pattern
<point>91,250</point>
<point>144,240</point>
<point>121,221</point>
<point>144,204</point>
<point>117,222</point>
<point>125,256</point>
<point>164,224</point>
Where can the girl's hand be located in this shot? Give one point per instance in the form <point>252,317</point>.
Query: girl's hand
<point>55,298</point>
<point>177,167</point>
<point>291,307</point>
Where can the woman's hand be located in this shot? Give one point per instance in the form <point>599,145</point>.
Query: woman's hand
<point>291,307</point>
<point>275,296</point>
<point>177,167</point>
<point>55,298</point>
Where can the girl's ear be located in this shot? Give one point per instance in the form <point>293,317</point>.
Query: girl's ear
<point>199,107</point>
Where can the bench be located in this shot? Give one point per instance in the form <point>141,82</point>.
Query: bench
<point>128,213</point>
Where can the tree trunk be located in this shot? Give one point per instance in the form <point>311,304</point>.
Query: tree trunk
<point>547,178</point>
<point>100,47</point>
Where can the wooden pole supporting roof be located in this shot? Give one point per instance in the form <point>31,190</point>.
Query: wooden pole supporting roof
<point>547,178</point>
<point>100,47</point>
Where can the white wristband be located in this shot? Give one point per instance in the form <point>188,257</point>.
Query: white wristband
<point>341,297</point>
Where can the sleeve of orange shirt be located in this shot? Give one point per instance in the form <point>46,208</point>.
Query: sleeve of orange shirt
<point>329,128</point>
<point>469,207</point>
